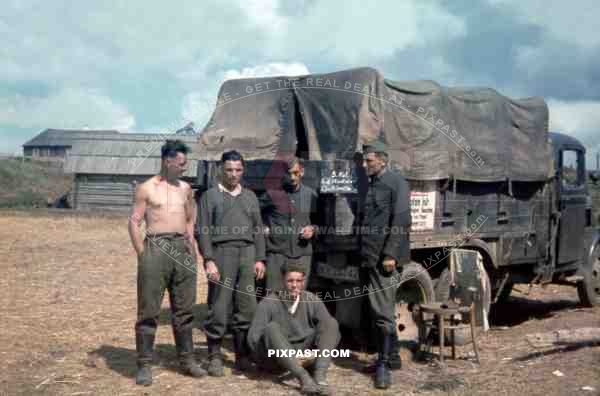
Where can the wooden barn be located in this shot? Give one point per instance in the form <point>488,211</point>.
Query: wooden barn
<point>56,144</point>
<point>107,168</point>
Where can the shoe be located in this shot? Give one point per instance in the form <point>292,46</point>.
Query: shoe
<point>215,359</point>
<point>184,345</point>
<point>192,369</point>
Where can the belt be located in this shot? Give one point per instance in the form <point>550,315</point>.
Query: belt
<point>234,243</point>
<point>165,235</point>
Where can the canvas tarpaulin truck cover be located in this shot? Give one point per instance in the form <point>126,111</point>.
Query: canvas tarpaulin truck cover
<point>430,132</point>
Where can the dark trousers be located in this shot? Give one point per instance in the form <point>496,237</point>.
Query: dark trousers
<point>275,261</point>
<point>165,264</point>
<point>382,288</point>
<point>236,285</point>
<point>327,336</point>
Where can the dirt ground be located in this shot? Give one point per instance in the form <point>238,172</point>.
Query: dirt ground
<point>69,295</point>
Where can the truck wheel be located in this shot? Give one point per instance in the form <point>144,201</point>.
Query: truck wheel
<point>416,287</point>
<point>442,293</point>
<point>589,288</point>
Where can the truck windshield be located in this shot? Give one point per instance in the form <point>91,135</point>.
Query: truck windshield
<point>571,169</point>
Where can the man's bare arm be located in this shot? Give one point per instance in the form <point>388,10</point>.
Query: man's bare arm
<point>135,219</point>
<point>191,214</point>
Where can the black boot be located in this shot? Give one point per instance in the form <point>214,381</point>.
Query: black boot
<point>319,374</point>
<point>383,377</point>
<point>184,345</point>
<point>215,358</point>
<point>242,353</point>
<point>308,386</point>
<point>144,344</point>
<point>395,359</point>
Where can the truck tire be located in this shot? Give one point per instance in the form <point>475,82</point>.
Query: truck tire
<point>442,294</point>
<point>589,288</point>
<point>416,287</point>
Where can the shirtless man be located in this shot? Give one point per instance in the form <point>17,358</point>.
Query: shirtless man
<point>167,259</point>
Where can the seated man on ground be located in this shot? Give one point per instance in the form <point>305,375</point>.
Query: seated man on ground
<point>291,319</point>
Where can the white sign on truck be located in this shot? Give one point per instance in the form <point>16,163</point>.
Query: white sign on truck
<point>422,210</point>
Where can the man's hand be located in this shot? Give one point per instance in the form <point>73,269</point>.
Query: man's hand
<point>259,269</point>
<point>307,232</point>
<point>389,264</point>
<point>212,271</point>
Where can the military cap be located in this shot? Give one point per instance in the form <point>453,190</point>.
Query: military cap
<point>376,146</point>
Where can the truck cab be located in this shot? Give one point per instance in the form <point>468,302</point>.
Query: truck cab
<point>577,248</point>
<point>573,202</point>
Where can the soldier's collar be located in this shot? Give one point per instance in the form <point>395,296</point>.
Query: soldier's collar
<point>234,193</point>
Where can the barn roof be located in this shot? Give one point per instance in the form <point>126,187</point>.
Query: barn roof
<point>66,137</point>
<point>124,154</point>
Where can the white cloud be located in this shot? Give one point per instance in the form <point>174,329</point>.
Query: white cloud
<point>263,14</point>
<point>69,108</point>
<point>576,117</point>
<point>76,41</point>
<point>355,32</point>
<point>580,119</point>
<point>575,22</point>
<point>341,33</point>
<point>191,42</point>
<point>61,45</point>
<point>198,105</point>
<point>268,70</point>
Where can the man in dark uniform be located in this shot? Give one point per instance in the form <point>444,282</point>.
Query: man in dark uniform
<point>230,231</point>
<point>290,221</point>
<point>384,249</point>
<point>167,259</point>
<point>294,319</point>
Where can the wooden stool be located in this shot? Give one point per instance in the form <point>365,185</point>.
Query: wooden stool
<point>445,312</point>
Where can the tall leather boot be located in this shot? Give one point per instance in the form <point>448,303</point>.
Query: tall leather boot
<point>383,377</point>
<point>184,345</point>
<point>242,353</point>
<point>275,340</point>
<point>215,358</point>
<point>395,359</point>
<point>319,374</point>
<point>144,344</point>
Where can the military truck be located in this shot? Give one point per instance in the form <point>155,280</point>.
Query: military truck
<point>496,199</point>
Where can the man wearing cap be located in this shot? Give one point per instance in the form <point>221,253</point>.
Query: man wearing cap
<point>384,249</point>
<point>230,231</point>
<point>290,221</point>
<point>293,319</point>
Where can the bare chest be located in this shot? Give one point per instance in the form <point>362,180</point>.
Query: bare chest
<point>166,196</point>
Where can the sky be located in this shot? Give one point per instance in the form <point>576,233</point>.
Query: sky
<point>139,66</point>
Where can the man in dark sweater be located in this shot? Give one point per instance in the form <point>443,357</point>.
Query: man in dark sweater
<point>293,319</point>
<point>290,221</point>
<point>384,249</point>
<point>230,232</point>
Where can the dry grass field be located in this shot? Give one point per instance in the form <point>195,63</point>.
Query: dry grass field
<point>68,293</point>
